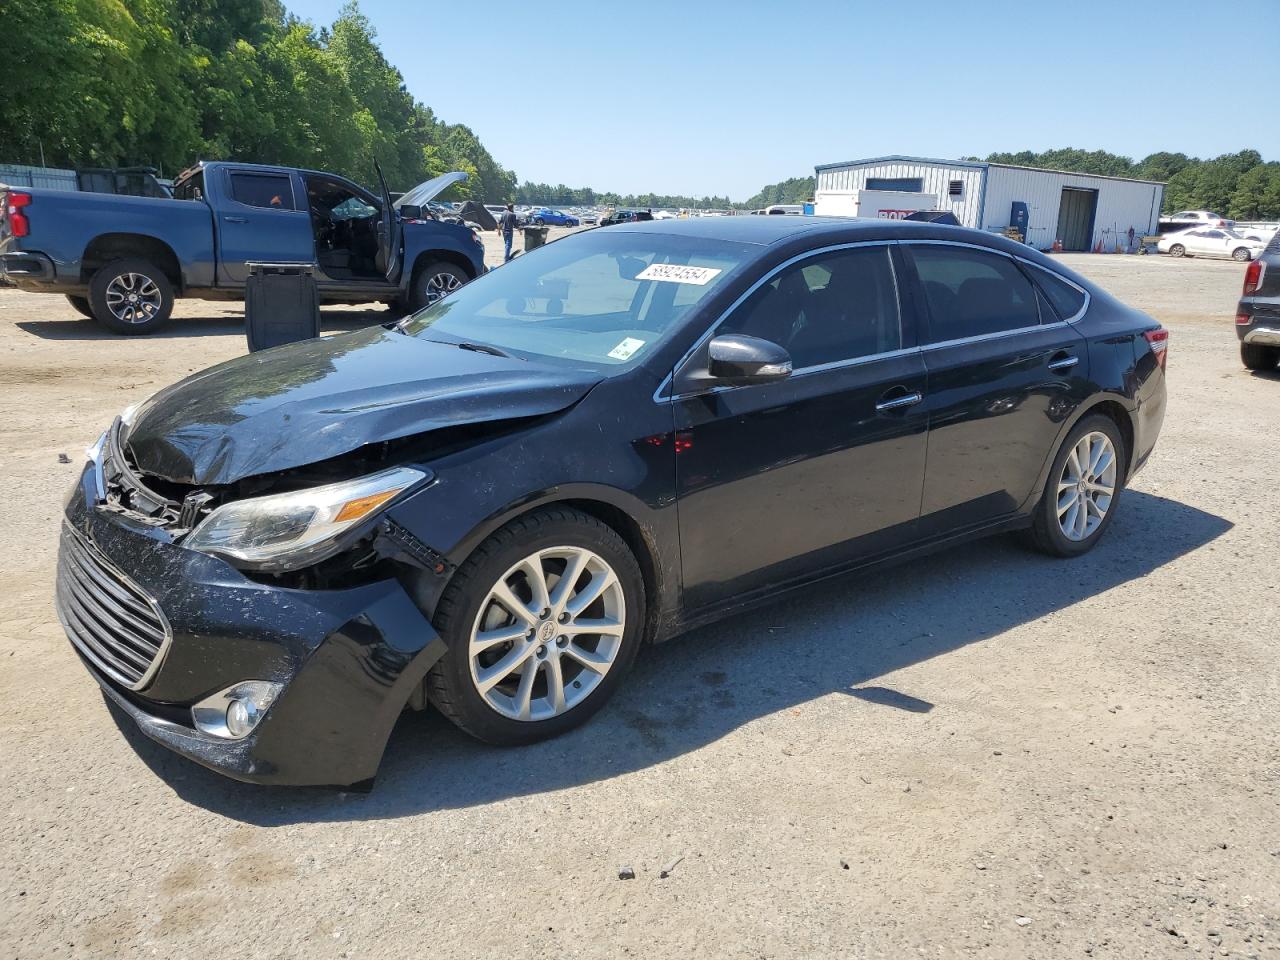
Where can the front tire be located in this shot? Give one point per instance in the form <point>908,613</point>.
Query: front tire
<point>1177,250</point>
<point>1256,356</point>
<point>1084,484</point>
<point>542,623</point>
<point>434,282</point>
<point>131,296</point>
<point>1241,255</point>
<point>81,305</point>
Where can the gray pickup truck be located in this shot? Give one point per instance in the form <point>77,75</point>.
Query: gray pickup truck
<point>123,260</point>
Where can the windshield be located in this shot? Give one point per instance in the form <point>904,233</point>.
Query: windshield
<point>602,298</point>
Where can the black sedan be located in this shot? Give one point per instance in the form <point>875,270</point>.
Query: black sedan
<point>491,505</point>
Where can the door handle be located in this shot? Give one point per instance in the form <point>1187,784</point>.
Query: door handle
<point>896,403</point>
<point>1063,362</point>
<point>236,219</point>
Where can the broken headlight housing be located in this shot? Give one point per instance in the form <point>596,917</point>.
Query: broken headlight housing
<point>288,531</point>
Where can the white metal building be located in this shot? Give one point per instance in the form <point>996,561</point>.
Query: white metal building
<point>1081,211</point>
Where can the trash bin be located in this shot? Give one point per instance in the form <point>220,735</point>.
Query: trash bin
<point>534,237</point>
<point>281,304</point>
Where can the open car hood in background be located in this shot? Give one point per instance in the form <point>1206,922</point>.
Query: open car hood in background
<point>301,404</point>
<point>430,189</point>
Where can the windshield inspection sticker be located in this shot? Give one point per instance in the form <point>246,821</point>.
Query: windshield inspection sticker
<point>675,273</point>
<point>626,348</point>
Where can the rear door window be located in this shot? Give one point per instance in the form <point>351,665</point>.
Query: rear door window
<point>272,190</point>
<point>972,293</point>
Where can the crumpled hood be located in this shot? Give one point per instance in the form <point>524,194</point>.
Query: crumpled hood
<point>307,402</point>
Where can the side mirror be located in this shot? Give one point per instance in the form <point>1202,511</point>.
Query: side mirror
<point>735,358</point>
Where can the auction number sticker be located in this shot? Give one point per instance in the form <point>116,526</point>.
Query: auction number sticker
<point>626,348</point>
<point>675,273</point>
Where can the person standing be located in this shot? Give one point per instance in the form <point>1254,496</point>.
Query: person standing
<point>507,224</point>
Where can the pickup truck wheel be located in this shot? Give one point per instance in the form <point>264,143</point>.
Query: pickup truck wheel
<point>434,282</point>
<point>81,305</point>
<point>131,296</point>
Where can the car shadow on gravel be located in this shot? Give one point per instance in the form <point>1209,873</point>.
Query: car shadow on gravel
<point>828,638</point>
<point>180,328</point>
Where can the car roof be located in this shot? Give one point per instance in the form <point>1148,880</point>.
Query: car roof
<point>768,230</point>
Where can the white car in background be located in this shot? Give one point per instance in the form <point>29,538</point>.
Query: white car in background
<point>1197,218</point>
<point>1210,242</point>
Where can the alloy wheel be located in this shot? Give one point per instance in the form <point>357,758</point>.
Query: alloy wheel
<point>440,286</point>
<point>133,298</point>
<point>1086,486</point>
<point>547,633</point>
<point>1240,255</point>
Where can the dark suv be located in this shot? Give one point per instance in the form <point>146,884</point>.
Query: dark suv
<point>1258,315</point>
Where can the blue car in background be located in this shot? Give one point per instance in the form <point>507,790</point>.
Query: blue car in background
<point>556,218</point>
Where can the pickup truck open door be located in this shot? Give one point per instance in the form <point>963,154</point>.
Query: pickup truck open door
<point>390,248</point>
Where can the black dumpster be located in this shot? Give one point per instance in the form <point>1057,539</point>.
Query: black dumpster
<point>534,237</point>
<point>281,304</point>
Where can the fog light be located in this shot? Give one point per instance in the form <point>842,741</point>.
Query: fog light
<point>242,717</point>
<point>235,712</point>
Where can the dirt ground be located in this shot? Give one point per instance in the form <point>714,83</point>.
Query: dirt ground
<point>986,753</point>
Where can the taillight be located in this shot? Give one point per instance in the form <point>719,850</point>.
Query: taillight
<point>1253,275</point>
<point>19,225</point>
<point>1159,341</point>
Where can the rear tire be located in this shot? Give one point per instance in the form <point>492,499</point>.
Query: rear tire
<point>81,306</point>
<point>434,282</point>
<point>1068,478</point>
<point>1241,255</point>
<point>545,643</point>
<point>1177,250</point>
<point>131,296</point>
<point>1256,356</point>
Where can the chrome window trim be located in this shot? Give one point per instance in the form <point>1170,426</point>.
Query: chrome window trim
<point>997,335</point>
<point>710,331</point>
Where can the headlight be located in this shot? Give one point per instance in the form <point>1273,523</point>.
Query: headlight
<point>285,531</point>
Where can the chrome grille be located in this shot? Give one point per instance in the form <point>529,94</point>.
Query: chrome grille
<point>116,626</point>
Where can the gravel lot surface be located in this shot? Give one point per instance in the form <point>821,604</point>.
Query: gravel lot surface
<point>986,753</point>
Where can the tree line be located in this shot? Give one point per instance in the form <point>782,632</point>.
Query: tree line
<point>1236,185</point>
<point>164,82</point>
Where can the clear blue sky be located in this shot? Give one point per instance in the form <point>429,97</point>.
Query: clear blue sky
<point>723,97</point>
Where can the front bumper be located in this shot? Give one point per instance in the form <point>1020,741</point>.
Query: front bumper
<point>348,659</point>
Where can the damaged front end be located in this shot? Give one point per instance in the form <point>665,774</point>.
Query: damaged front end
<point>262,652</point>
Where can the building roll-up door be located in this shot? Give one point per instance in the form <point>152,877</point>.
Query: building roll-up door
<point>1075,217</point>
